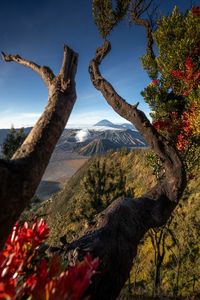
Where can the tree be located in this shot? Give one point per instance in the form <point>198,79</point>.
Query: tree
<point>103,185</point>
<point>21,175</point>
<point>115,233</point>
<point>13,141</point>
<point>103,182</point>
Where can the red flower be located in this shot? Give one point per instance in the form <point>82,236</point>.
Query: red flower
<point>31,281</point>
<point>7,290</point>
<point>44,280</point>
<point>73,283</point>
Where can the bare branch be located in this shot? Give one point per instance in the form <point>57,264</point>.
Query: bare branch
<point>69,64</point>
<point>167,154</point>
<point>21,176</point>
<point>138,8</point>
<point>115,233</point>
<point>45,72</point>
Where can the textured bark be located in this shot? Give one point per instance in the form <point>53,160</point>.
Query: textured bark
<point>21,175</point>
<point>116,232</point>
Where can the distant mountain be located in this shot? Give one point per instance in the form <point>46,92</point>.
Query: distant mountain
<point>96,140</point>
<point>127,126</point>
<point>98,146</point>
<point>107,123</point>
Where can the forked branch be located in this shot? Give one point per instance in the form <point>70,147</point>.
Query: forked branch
<point>68,68</point>
<point>45,72</point>
<point>138,8</point>
<point>21,176</point>
<point>167,154</point>
<point>115,234</point>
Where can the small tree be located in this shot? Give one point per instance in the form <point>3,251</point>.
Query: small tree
<point>13,141</point>
<point>103,183</point>
<point>174,93</point>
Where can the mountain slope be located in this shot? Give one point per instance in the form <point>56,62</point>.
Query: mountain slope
<point>98,146</point>
<point>105,123</point>
<point>91,142</point>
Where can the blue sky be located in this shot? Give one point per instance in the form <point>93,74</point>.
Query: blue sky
<point>37,31</point>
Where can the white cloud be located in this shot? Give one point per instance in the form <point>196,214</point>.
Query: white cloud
<point>9,118</point>
<point>77,119</point>
<point>82,135</point>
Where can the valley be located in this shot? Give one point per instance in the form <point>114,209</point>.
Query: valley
<point>77,145</point>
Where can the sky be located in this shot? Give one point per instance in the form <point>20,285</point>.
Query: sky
<point>37,30</point>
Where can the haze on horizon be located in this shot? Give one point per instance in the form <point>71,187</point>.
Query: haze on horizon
<point>37,30</point>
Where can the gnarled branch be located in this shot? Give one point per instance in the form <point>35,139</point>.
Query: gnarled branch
<point>116,232</point>
<point>138,8</point>
<point>45,72</point>
<point>24,172</point>
<point>162,148</point>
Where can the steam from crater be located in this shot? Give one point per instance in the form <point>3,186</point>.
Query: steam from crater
<point>82,135</point>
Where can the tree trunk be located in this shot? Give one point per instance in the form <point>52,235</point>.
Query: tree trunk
<point>21,175</point>
<point>116,232</point>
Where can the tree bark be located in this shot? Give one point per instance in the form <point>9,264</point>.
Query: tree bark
<point>116,232</point>
<point>21,175</point>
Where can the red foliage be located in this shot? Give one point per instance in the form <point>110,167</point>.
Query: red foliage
<point>196,11</point>
<point>73,283</point>
<point>161,124</point>
<point>190,77</point>
<point>181,142</point>
<point>177,127</point>
<point>155,82</point>
<point>24,272</point>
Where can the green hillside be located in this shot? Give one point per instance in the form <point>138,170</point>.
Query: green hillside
<point>175,246</point>
<point>69,208</point>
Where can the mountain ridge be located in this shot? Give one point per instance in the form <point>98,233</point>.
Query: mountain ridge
<point>108,123</point>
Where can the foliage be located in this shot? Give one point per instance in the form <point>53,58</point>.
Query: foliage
<point>174,96</point>
<point>179,245</point>
<point>177,38</point>
<point>26,272</point>
<point>12,142</point>
<point>60,213</point>
<point>106,16</point>
<point>69,211</point>
<point>102,185</point>
<point>168,260</point>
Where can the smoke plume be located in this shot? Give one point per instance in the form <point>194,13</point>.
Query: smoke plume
<point>82,135</point>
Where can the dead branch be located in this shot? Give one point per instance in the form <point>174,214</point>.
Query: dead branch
<point>116,232</point>
<point>21,176</point>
